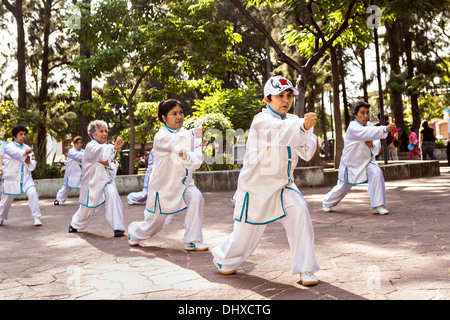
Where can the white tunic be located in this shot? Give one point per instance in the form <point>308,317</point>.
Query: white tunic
<point>273,147</point>
<point>72,176</point>
<point>17,177</point>
<point>95,175</point>
<point>171,175</point>
<point>356,155</point>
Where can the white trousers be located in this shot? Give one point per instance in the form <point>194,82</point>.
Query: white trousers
<point>113,208</point>
<point>63,194</point>
<point>376,189</point>
<point>245,237</point>
<point>33,203</point>
<point>155,222</point>
<point>139,197</point>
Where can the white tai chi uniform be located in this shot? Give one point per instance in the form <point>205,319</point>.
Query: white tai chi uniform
<point>358,164</point>
<point>98,187</point>
<point>17,179</point>
<point>141,196</point>
<point>72,176</point>
<point>171,188</point>
<point>267,192</point>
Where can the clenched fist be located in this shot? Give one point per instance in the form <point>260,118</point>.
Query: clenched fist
<point>310,120</point>
<point>390,127</point>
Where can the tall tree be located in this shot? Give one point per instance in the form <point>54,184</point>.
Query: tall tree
<point>17,11</point>
<point>85,78</point>
<point>312,32</point>
<point>152,39</point>
<point>308,16</point>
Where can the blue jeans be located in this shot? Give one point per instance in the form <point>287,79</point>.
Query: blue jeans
<point>428,149</point>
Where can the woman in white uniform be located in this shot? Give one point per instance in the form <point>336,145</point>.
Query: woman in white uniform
<point>18,163</point>
<point>177,153</point>
<point>361,145</point>
<point>97,181</point>
<point>266,190</point>
<point>72,176</point>
<point>140,197</point>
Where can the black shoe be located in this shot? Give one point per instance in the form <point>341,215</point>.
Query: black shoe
<point>118,233</point>
<point>56,202</point>
<point>72,229</point>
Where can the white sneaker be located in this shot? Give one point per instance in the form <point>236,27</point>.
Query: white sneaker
<point>195,246</point>
<point>224,269</point>
<point>132,242</point>
<point>37,222</point>
<point>308,278</point>
<point>327,209</point>
<point>381,210</point>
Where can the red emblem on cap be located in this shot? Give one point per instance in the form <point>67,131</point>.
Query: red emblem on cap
<point>284,82</point>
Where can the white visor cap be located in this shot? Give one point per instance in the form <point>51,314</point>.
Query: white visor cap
<point>276,85</point>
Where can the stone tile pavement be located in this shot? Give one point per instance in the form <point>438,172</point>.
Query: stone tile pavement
<point>363,256</point>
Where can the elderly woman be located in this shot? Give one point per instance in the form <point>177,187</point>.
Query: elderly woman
<point>266,190</point>
<point>72,176</point>
<point>361,145</point>
<point>177,153</point>
<point>97,181</point>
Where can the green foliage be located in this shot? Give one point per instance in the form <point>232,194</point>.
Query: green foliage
<point>9,117</point>
<point>149,124</point>
<point>238,105</point>
<point>175,35</point>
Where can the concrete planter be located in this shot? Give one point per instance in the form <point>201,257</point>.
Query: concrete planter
<point>304,177</point>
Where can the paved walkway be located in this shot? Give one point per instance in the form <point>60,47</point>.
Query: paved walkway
<point>404,255</point>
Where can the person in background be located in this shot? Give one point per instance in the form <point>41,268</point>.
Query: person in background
<point>357,166</point>
<point>97,181</point>
<point>427,141</point>
<point>2,150</point>
<point>177,153</point>
<point>394,145</point>
<point>414,143</point>
<point>140,197</point>
<point>72,176</point>
<point>18,163</point>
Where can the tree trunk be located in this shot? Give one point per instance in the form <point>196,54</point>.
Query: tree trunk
<point>339,142</point>
<point>347,117</point>
<point>17,11</point>
<point>395,79</point>
<point>362,53</point>
<point>85,86</point>
<point>410,72</point>
<point>299,106</point>
<point>324,127</point>
<point>43,91</point>
<point>132,135</point>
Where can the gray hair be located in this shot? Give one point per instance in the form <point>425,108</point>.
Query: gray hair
<point>93,127</point>
<point>357,105</point>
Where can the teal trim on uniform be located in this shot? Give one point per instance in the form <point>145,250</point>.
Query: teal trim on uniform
<point>159,205</point>
<point>245,206</point>
<point>275,112</point>
<point>87,203</point>
<point>170,129</point>
<point>346,178</point>
<point>185,177</point>
<point>289,164</point>
<point>18,144</point>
